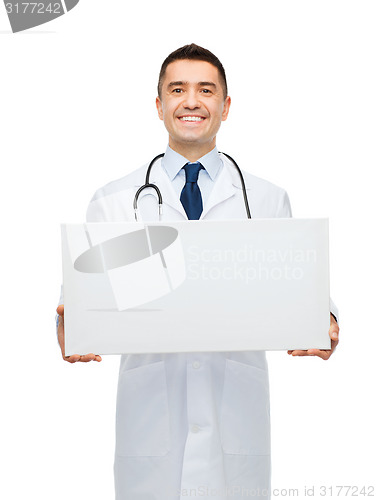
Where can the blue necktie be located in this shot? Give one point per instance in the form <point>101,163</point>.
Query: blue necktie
<point>191,195</point>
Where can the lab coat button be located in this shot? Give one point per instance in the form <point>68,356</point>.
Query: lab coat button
<point>196,364</point>
<point>195,428</point>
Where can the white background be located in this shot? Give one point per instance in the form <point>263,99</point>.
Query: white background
<point>77,110</point>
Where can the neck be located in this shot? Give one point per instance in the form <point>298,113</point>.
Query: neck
<point>192,152</point>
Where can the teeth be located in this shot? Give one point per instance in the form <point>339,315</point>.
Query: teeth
<point>191,118</point>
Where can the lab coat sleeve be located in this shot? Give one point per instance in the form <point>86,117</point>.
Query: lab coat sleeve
<point>334,310</point>
<point>284,207</point>
<point>96,211</point>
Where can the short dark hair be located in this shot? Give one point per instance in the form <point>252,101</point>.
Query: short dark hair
<point>195,53</point>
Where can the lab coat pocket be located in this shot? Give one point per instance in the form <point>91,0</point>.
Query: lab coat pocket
<point>245,415</point>
<point>142,418</point>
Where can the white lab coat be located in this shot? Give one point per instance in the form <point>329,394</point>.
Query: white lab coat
<point>197,424</point>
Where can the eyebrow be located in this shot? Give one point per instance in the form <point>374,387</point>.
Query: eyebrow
<point>201,84</point>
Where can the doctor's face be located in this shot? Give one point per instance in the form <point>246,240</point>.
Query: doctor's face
<point>192,105</point>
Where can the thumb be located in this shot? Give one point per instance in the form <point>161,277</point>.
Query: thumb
<point>60,310</point>
<point>333,330</point>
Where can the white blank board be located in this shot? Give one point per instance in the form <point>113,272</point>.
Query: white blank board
<point>189,286</point>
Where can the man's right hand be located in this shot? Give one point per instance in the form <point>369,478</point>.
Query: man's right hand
<point>60,335</point>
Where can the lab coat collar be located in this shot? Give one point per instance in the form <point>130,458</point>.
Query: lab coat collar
<point>173,162</point>
<point>225,186</point>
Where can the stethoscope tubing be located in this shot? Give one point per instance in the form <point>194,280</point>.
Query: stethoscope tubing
<point>148,184</point>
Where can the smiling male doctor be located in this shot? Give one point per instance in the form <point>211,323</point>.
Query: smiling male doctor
<point>195,424</point>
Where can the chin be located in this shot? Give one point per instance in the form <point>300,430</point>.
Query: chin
<point>192,138</point>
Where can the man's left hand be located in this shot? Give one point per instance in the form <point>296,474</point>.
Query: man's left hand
<point>323,354</point>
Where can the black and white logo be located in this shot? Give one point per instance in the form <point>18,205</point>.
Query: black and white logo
<point>26,15</point>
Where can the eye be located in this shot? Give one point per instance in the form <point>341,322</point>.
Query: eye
<point>206,91</point>
<point>177,91</point>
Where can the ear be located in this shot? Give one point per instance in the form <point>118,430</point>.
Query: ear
<point>158,102</point>
<point>226,108</point>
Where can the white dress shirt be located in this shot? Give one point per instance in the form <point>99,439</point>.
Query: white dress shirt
<point>173,164</point>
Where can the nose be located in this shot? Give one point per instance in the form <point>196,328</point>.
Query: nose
<point>191,100</point>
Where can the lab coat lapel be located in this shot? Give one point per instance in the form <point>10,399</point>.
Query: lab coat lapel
<point>222,190</point>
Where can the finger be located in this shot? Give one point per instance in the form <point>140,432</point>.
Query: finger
<point>333,332</point>
<point>60,310</point>
<point>323,354</point>
<point>298,352</point>
<point>86,358</point>
<point>72,359</point>
<point>334,344</point>
<point>333,329</point>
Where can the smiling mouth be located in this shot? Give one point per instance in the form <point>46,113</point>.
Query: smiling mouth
<point>191,118</point>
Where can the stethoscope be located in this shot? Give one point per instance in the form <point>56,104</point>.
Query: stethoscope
<point>157,190</point>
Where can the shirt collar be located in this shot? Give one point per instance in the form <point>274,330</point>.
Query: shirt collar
<point>173,162</point>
